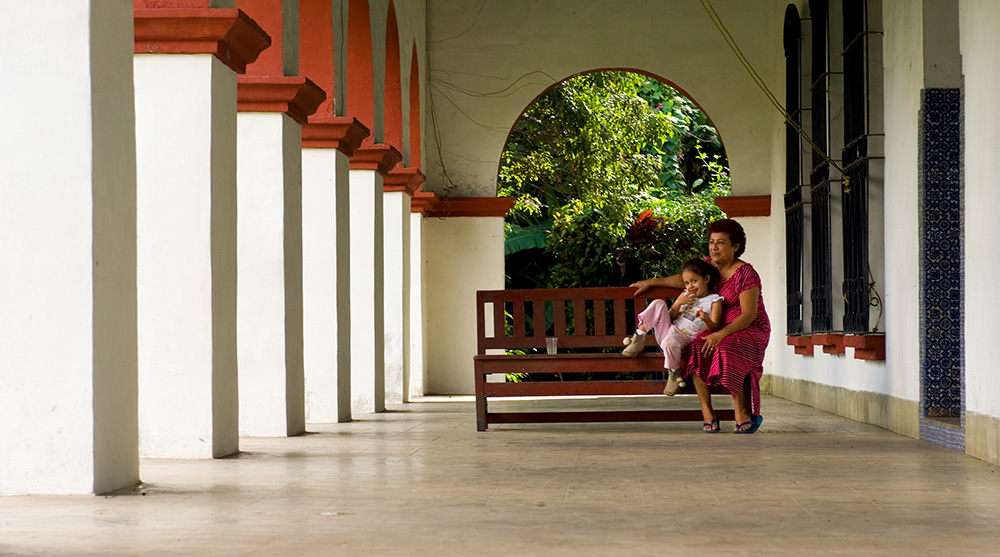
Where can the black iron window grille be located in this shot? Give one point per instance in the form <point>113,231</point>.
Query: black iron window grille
<point>821,295</point>
<point>855,159</point>
<point>794,217</point>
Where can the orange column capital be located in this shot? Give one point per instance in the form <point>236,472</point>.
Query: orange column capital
<point>343,133</point>
<point>423,201</point>
<point>230,35</point>
<point>378,157</point>
<point>404,180</point>
<point>294,95</point>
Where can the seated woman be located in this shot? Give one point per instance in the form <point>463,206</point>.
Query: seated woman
<point>736,351</point>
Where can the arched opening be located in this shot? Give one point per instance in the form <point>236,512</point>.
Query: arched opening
<point>359,100</point>
<point>414,110</point>
<point>615,173</point>
<point>393,102</point>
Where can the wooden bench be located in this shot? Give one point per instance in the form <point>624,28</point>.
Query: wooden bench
<point>584,320</point>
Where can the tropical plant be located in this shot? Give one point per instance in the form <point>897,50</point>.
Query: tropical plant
<point>613,179</point>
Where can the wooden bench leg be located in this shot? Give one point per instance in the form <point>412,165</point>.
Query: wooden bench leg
<point>481,422</point>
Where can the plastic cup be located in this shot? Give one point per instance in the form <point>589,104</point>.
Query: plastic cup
<point>551,344</point>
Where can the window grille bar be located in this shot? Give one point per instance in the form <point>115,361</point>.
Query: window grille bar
<point>855,157</point>
<point>819,179</point>
<point>793,170</point>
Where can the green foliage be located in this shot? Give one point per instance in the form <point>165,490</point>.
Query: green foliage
<point>590,157</point>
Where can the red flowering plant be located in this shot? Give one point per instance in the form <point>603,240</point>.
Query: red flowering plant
<point>656,246</point>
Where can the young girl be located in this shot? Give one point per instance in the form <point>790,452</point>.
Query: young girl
<point>692,313</point>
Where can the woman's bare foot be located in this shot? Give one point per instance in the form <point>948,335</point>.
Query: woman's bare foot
<point>711,426</point>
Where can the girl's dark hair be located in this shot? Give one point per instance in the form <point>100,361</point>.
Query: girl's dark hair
<point>702,268</point>
<point>734,230</point>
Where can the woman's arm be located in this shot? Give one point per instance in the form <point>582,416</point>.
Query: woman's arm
<point>748,312</point>
<point>673,281</point>
<point>714,320</point>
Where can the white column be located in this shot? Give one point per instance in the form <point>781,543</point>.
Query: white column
<point>396,247</point>
<point>326,284</point>
<point>269,295</point>
<point>68,420</point>
<point>367,304</point>
<point>416,383</point>
<point>186,147</point>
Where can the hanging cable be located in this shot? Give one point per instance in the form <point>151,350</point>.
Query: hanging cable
<point>714,16</point>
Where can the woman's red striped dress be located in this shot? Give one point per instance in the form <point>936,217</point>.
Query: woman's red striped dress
<point>740,353</point>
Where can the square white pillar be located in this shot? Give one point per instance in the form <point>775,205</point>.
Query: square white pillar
<point>367,302</point>
<point>416,379</point>
<point>269,295</point>
<point>326,268</point>
<point>186,148</point>
<point>68,417</point>
<point>396,247</point>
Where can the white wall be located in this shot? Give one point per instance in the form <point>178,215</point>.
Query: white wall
<point>980,44</point>
<point>488,66</point>
<point>467,256</point>
<point>899,375</point>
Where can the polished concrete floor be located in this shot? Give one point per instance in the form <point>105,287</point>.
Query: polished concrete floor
<point>420,480</point>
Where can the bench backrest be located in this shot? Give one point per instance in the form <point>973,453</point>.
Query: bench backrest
<point>607,317</point>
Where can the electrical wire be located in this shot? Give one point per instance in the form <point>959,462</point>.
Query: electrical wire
<point>726,36</point>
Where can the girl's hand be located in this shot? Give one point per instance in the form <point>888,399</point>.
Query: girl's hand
<point>711,341</point>
<point>641,286</point>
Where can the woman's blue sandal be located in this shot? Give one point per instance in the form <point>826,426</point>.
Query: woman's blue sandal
<point>713,425</point>
<point>754,424</point>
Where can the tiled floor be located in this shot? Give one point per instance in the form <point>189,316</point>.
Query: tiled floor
<point>419,480</point>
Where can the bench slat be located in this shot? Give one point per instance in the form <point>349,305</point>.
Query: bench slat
<point>570,363</point>
<point>604,416</point>
<point>538,311</point>
<point>577,388</point>
<point>579,317</point>
<point>518,314</point>
<point>499,320</point>
<point>600,320</point>
<point>621,326</point>
<point>559,317</point>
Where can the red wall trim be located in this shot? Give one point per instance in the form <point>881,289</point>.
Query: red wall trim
<point>803,345</point>
<point>404,180</point>
<point>472,207</point>
<point>831,343</point>
<point>230,35</point>
<point>378,157</point>
<point>423,201</point>
<point>867,347</point>
<point>745,205</point>
<point>294,95</point>
<point>330,132</point>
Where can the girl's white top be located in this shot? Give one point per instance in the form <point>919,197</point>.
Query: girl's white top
<point>687,320</point>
